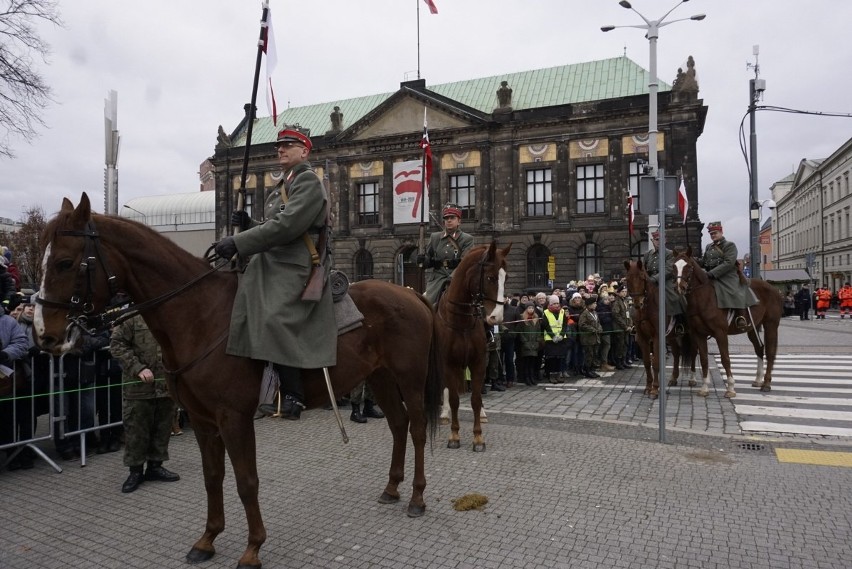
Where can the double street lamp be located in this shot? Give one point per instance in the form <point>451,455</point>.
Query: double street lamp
<point>652,28</point>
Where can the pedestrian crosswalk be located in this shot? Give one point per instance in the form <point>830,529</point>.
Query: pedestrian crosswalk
<point>811,395</point>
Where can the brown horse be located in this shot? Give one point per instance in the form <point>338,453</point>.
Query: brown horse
<point>706,319</point>
<point>644,293</point>
<point>473,300</point>
<point>394,351</point>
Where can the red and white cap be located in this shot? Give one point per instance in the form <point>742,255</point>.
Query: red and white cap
<point>292,135</point>
<point>451,209</point>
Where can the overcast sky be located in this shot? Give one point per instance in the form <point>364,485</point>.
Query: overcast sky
<point>183,67</point>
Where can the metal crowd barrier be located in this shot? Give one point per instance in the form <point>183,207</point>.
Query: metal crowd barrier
<point>71,391</point>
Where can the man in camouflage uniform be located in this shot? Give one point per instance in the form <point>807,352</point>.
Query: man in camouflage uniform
<point>444,252</point>
<point>674,306</point>
<point>620,327</point>
<point>720,262</point>
<point>148,408</point>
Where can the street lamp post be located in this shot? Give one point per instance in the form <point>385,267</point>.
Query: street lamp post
<point>144,217</point>
<point>652,28</point>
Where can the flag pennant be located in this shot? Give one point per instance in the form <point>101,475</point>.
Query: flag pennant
<point>630,214</point>
<point>682,201</point>
<point>432,7</point>
<point>271,62</point>
<point>427,152</point>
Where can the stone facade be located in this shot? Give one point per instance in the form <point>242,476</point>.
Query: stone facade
<point>506,155</point>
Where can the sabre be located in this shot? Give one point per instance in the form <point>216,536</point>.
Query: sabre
<point>334,405</point>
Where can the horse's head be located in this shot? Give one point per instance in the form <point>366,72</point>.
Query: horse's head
<point>686,271</point>
<point>71,286</point>
<point>483,270</point>
<point>636,279</point>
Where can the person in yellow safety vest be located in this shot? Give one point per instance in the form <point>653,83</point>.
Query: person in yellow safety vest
<point>558,337</point>
<point>845,297</point>
<point>823,301</point>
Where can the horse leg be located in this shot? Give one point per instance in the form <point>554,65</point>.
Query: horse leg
<point>213,464</point>
<point>477,376</point>
<point>758,351</point>
<point>454,378</point>
<point>398,421</point>
<point>445,408</point>
<point>239,439</point>
<point>722,342</point>
<point>654,388</point>
<point>676,355</point>
<point>770,336</point>
<point>705,368</point>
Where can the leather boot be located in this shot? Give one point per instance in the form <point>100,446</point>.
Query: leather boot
<point>356,416</point>
<point>496,386</point>
<point>156,471</point>
<point>371,411</point>
<point>133,481</point>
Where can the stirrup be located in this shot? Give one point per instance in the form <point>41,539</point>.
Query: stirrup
<point>679,330</point>
<point>741,323</point>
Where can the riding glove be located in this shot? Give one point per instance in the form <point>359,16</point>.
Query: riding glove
<point>421,260</point>
<point>5,359</point>
<point>241,219</point>
<point>711,276</point>
<point>226,248</point>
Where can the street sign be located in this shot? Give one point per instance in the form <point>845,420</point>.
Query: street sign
<point>648,195</point>
<point>551,268</point>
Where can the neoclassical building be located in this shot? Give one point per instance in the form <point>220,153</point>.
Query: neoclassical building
<point>543,159</point>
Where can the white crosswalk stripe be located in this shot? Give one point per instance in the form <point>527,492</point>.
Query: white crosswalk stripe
<point>811,394</point>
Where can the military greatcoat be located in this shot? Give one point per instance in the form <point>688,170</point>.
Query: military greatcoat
<point>443,255</point>
<point>674,301</point>
<point>270,322</point>
<point>720,259</point>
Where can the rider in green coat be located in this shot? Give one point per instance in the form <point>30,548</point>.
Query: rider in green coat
<point>444,252</point>
<point>720,262</point>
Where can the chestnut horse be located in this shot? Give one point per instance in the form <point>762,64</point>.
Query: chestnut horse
<point>473,300</point>
<point>707,319</point>
<point>394,351</point>
<point>644,293</point>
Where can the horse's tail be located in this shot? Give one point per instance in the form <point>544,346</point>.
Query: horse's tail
<point>688,352</point>
<point>433,396</point>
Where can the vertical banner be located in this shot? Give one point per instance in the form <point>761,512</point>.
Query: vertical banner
<point>408,191</point>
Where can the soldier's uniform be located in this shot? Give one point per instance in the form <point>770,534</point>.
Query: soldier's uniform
<point>148,408</point>
<point>720,262</point>
<point>443,255</point>
<point>674,302</point>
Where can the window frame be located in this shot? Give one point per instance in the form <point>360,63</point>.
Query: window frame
<point>361,219</point>
<point>546,204</point>
<point>598,187</point>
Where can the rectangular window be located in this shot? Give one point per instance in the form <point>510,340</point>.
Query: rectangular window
<point>368,203</point>
<point>463,194</point>
<point>590,188</point>
<point>539,192</point>
<point>633,173</point>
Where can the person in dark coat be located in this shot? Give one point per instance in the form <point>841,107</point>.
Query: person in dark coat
<point>674,302</point>
<point>720,262</point>
<point>444,253</point>
<point>803,302</point>
<point>270,321</point>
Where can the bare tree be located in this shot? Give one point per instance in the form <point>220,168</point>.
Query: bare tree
<point>25,244</point>
<point>23,91</point>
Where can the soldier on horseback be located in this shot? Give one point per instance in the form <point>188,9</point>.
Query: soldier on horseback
<point>444,252</point>
<point>732,290</point>
<point>674,302</point>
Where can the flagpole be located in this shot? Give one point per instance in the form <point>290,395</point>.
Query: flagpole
<point>418,38</point>
<point>423,189</point>
<point>241,200</point>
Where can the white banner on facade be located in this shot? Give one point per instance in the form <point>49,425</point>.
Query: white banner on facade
<point>407,190</point>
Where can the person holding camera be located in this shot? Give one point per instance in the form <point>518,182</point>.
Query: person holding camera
<point>444,252</point>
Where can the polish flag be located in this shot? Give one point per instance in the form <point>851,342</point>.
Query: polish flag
<point>682,200</point>
<point>427,152</point>
<point>630,214</point>
<point>432,7</point>
<point>271,62</point>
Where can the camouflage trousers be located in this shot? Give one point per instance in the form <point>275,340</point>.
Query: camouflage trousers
<point>360,393</point>
<point>147,429</point>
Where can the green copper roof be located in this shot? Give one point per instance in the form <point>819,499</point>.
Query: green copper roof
<point>565,84</point>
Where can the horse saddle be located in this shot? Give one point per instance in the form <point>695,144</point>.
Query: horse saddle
<point>346,314</point>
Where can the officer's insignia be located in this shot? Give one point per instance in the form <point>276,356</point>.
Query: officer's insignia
<point>281,207</point>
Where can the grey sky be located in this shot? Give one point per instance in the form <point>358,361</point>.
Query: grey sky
<point>183,67</point>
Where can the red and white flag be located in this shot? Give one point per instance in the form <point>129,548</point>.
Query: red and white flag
<point>682,201</point>
<point>427,153</point>
<point>630,215</point>
<point>432,7</point>
<point>271,62</point>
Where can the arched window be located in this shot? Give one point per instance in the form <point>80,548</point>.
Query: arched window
<point>537,257</point>
<point>363,265</point>
<point>589,260</point>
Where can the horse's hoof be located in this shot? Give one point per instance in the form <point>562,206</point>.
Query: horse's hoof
<point>765,387</point>
<point>479,447</point>
<point>445,421</point>
<point>672,382</point>
<point>453,444</point>
<point>703,392</point>
<point>483,419</point>
<point>692,383</point>
<point>386,498</point>
<point>730,394</point>
<point>654,395</point>
<point>196,555</point>
<point>415,511</point>
<point>757,384</point>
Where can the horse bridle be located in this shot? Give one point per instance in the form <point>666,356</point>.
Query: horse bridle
<point>81,304</point>
<point>477,306</point>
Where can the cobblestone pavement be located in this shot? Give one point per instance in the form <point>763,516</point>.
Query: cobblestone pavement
<point>573,479</point>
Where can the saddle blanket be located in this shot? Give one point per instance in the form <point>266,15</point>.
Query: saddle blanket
<point>347,315</point>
